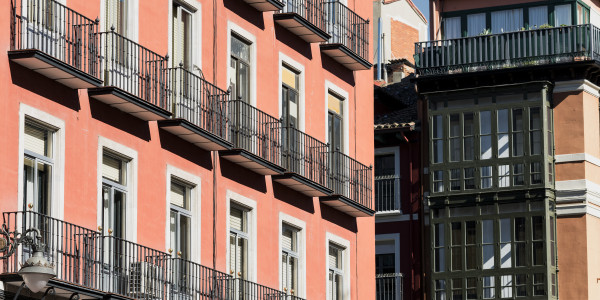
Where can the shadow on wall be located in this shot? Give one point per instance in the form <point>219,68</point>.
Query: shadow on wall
<point>293,197</point>
<point>119,119</point>
<point>337,69</point>
<point>185,149</point>
<point>293,41</point>
<point>242,175</point>
<point>246,11</point>
<point>44,86</point>
<point>339,218</point>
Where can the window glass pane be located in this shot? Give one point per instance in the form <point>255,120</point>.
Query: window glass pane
<point>505,246</point>
<point>452,28</point>
<point>518,177</point>
<point>535,120</point>
<point>468,132</point>
<point>539,284</point>
<point>112,169</point>
<point>503,150</point>
<point>240,49</point>
<point>485,124</point>
<point>457,285</point>
<point>37,140</point>
<point>520,285</point>
<point>455,137</point>
<point>437,127</point>
<point>184,237</point>
<point>517,123</point>
<point>486,177</point>
<point>538,16</point>
<point>487,235</point>
<point>503,175</point>
<point>488,287</point>
<point>236,219</point>
<point>562,15</point>
<point>485,129</point>
<point>440,289</point>
<point>507,20</point>
<point>179,195</point>
<point>438,181</point>
<point>475,24</point>
<point>469,178</point>
<point>455,179</point>
<point>471,288</point>
<point>506,282</point>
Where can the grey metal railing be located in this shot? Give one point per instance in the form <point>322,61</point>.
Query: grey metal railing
<point>247,290</point>
<point>56,30</point>
<point>310,10</point>
<point>347,28</point>
<point>350,178</point>
<point>387,193</point>
<point>189,280</point>
<point>508,50</point>
<point>389,286</point>
<point>198,101</point>
<point>304,155</point>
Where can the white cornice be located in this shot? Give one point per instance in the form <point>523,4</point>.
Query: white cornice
<point>577,85</point>
<point>577,197</point>
<point>577,157</point>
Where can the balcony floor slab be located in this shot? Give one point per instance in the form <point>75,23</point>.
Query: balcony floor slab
<point>301,27</point>
<point>301,184</point>
<point>192,133</point>
<point>251,161</point>
<point>347,206</point>
<point>266,5</point>
<point>128,103</point>
<point>345,57</point>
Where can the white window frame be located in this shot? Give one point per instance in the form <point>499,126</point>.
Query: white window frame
<point>301,246</point>
<point>395,238</point>
<point>194,183</point>
<point>132,19</point>
<point>236,199</point>
<point>234,29</point>
<point>329,86</point>
<point>346,253</point>
<point>106,145</point>
<point>194,7</point>
<point>287,62</point>
<point>27,112</point>
<point>396,152</point>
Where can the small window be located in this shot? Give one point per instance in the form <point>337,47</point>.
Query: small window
<point>289,259</point>
<point>538,16</point>
<point>180,218</point>
<point>476,24</point>
<point>238,242</point>
<point>116,16</point>
<point>336,272</point>
<point>289,97</point>
<point>452,28</point>
<point>335,105</point>
<point>562,15</point>
<point>38,167</point>
<point>507,20</point>
<point>114,193</point>
<point>240,68</point>
<point>182,37</point>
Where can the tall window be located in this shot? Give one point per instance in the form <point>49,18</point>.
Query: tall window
<point>336,272</point>
<point>475,24</point>
<point>335,105</point>
<point>114,194</point>
<point>507,20</point>
<point>238,242</point>
<point>289,259</point>
<point>182,37</point>
<point>38,166</point>
<point>289,97</point>
<point>562,15</point>
<point>240,68</point>
<point>180,216</point>
<point>116,16</point>
<point>452,28</point>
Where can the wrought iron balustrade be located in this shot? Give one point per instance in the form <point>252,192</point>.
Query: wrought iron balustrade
<point>350,178</point>
<point>56,30</point>
<point>255,131</point>
<point>347,28</point>
<point>389,286</point>
<point>198,101</point>
<point>189,280</point>
<point>304,155</point>
<point>133,68</point>
<point>310,10</point>
<point>508,50</point>
<point>247,290</point>
<point>387,193</point>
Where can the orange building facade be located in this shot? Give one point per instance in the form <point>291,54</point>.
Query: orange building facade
<point>197,149</point>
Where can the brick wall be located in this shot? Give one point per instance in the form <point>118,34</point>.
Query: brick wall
<point>403,40</point>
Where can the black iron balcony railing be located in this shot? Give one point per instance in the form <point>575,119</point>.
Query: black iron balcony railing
<point>56,30</point>
<point>389,286</point>
<point>133,68</point>
<point>350,178</point>
<point>347,28</point>
<point>508,50</point>
<point>310,10</point>
<point>387,193</point>
<point>304,155</point>
<point>255,131</point>
<point>198,101</point>
<point>248,290</point>
<point>189,280</point>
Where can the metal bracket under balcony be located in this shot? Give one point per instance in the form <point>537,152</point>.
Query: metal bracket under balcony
<point>345,57</point>
<point>194,134</point>
<point>53,68</point>
<point>62,289</point>
<point>301,27</point>
<point>266,5</point>
<point>299,183</point>
<point>129,103</point>
<point>347,206</point>
<point>251,161</point>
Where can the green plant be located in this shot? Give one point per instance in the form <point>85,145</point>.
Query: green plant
<point>545,26</point>
<point>486,31</point>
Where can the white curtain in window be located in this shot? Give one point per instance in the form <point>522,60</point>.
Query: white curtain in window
<point>452,28</point>
<point>507,20</point>
<point>562,15</point>
<point>538,16</point>
<point>475,24</point>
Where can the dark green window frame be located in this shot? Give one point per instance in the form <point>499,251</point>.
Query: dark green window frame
<point>530,231</point>
<point>576,7</point>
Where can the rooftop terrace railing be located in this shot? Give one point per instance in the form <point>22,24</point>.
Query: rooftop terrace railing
<point>56,30</point>
<point>347,28</point>
<point>310,10</point>
<point>508,50</point>
<point>198,101</point>
<point>350,178</point>
<point>133,68</point>
<point>304,155</point>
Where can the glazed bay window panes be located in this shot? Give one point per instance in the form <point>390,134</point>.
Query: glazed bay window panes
<point>538,240</point>
<point>475,24</point>
<point>518,177</point>
<point>469,182</point>
<point>457,288</point>
<point>538,16</point>
<point>455,180</point>
<point>438,142</point>
<point>489,287</point>
<point>471,288</point>
<point>452,28</point>
<point>562,15</point>
<point>455,138</point>
<point>539,288</point>
<point>552,243</point>
<point>520,242</point>
<point>487,244</point>
<point>503,175</point>
<point>517,123</point>
<point>506,285</point>
<point>456,246</point>
<point>502,128</point>
<point>471,245</point>
<point>536,172</point>
<point>439,248</point>
<point>535,130</point>
<point>485,132</point>
<point>440,290</point>
<point>521,285</point>
<point>505,244</point>
<point>438,181</point>
<point>468,132</point>
<point>486,177</point>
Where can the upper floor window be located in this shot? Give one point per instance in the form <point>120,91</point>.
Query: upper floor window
<point>114,193</point>
<point>336,272</point>
<point>335,115</point>
<point>180,218</point>
<point>289,94</point>
<point>116,16</point>
<point>387,183</point>
<point>507,20</point>
<point>562,15</point>
<point>38,166</point>
<point>238,242</point>
<point>240,68</point>
<point>182,36</point>
<point>452,28</point>
<point>289,259</point>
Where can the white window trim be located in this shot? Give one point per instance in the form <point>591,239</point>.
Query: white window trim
<point>332,238</point>
<point>131,173</point>
<point>132,19</point>
<point>57,196</point>
<point>194,183</point>
<point>299,68</point>
<point>240,31</point>
<point>301,242</point>
<point>329,86</point>
<point>396,152</point>
<point>251,215</point>
<point>196,34</point>
<point>395,237</point>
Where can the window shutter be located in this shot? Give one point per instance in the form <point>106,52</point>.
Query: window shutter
<point>333,257</point>
<point>239,257</point>
<point>284,270</point>
<point>236,219</point>
<point>288,77</point>
<point>335,104</point>
<point>286,239</point>
<point>291,268</point>
<point>111,14</point>
<point>178,28</point>
<point>232,249</point>
<point>35,139</point>
<point>111,168</point>
<point>173,230</point>
<point>178,195</point>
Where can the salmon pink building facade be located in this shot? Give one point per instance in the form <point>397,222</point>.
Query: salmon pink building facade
<point>172,149</point>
